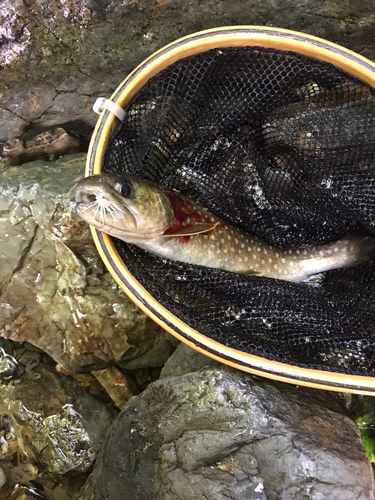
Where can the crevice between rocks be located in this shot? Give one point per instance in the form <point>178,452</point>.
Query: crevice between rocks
<point>24,253</point>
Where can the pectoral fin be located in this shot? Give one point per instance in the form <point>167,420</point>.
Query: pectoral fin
<point>251,272</point>
<point>191,230</point>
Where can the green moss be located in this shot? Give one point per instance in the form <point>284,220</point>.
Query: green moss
<point>365,418</point>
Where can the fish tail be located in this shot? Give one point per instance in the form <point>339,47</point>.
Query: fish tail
<point>347,252</point>
<point>359,249</point>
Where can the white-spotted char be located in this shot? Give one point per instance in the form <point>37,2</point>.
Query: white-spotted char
<point>170,225</point>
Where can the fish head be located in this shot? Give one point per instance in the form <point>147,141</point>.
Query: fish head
<point>123,206</point>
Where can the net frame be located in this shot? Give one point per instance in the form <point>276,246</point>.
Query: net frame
<point>240,36</point>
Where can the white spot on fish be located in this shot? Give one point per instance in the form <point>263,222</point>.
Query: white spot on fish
<point>336,249</point>
<point>283,261</point>
<point>212,219</point>
<point>290,252</point>
<point>242,245</point>
<point>275,266</point>
<point>232,249</point>
<point>329,251</point>
<point>269,260</point>
<point>212,236</point>
<point>298,252</point>
<point>259,249</point>
<point>225,250</point>
<point>321,253</point>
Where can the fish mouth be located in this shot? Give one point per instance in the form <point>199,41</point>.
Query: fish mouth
<point>83,197</point>
<point>102,210</point>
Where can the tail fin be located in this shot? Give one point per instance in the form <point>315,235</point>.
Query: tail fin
<point>361,247</point>
<point>347,252</point>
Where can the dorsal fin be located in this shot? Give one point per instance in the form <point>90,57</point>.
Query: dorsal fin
<point>192,229</point>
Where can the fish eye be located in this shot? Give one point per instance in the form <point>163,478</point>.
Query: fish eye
<point>125,189</point>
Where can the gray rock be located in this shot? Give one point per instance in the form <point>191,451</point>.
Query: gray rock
<point>57,57</point>
<point>3,478</point>
<point>20,492</point>
<point>223,434</point>
<point>56,422</point>
<point>8,365</point>
<point>185,360</point>
<point>47,145</point>
<point>54,289</point>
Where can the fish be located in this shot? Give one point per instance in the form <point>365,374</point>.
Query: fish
<point>166,223</point>
<point>347,111</point>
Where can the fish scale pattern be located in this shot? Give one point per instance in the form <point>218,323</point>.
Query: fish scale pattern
<point>283,146</point>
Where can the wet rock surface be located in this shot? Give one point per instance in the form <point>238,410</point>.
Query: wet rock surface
<point>20,492</point>
<point>220,433</point>
<point>50,425</point>
<point>47,145</point>
<point>55,292</point>
<point>119,386</point>
<point>57,57</point>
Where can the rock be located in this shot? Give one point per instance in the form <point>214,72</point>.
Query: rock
<point>20,473</point>
<point>3,478</point>
<point>56,423</point>
<point>85,494</point>
<point>8,365</point>
<point>30,358</point>
<point>85,379</point>
<point>119,386</point>
<point>58,57</point>
<point>45,146</point>
<point>221,433</point>
<point>20,492</point>
<point>144,376</point>
<point>185,360</point>
<point>55,291</point>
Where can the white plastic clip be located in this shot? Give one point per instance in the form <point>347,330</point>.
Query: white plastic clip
<point>103,103</point>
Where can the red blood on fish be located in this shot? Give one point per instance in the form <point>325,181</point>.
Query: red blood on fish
<point>183,210</point>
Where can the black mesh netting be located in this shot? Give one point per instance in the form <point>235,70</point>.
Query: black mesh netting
<point>281,145</point>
